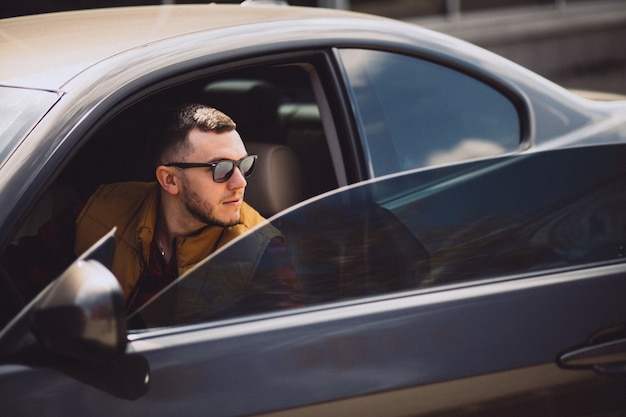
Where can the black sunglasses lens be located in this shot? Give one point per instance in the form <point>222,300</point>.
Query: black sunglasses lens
<point>246,165</point>
<point>223,171</point>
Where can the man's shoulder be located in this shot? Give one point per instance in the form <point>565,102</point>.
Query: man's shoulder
<point>125,191</point>
<point>120,198</point>
<point>121,205</point>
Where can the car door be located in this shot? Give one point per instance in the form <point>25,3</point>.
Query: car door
<point>492,287</point>
<point>483,288</point>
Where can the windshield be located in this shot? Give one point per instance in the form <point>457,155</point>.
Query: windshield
<point>495,219</point>
<point>20,110</point>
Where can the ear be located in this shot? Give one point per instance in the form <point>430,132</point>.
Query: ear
<point>167,177</point>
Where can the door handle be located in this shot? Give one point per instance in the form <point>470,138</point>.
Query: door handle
<point>612,352</point>
<point>604,352</point>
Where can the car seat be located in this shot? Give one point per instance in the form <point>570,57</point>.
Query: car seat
<point>276,182</point>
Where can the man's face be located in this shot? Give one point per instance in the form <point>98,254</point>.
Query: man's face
<point>205,200</point>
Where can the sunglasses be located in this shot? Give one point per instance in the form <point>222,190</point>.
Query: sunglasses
<point>223,169</point>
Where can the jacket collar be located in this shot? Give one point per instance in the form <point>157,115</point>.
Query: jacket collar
<point>189,250</point>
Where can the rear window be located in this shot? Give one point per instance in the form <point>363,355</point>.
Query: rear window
<point>414,113</point>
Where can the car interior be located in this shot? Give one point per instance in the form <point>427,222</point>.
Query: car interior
<point>278,116</point>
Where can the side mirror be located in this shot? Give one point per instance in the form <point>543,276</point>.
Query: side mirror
<point>82,313</point>
<point>80,322</point>
<point>77,325</point>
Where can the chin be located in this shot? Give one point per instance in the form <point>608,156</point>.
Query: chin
<point>228,222</point>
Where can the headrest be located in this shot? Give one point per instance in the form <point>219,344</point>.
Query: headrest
<point>276,182</point>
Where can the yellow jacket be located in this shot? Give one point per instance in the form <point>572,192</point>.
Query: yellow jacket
<point>132,208</point>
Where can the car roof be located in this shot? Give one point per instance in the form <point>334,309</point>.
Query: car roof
<point>57,46</point>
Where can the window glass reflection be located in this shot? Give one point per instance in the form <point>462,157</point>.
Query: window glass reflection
<point>492,219</point>
<point>415,113</point>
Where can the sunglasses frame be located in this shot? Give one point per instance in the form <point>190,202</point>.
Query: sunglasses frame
<point>213,165</point>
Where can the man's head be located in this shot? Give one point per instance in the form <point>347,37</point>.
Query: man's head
<point>181,120</point>
<point>199,189</point>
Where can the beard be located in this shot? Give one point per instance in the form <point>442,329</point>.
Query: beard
<point>203,212</point>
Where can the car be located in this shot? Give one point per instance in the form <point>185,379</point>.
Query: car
<point>457,223</point>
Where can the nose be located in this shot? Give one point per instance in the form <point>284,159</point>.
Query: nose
<point>237,180</point>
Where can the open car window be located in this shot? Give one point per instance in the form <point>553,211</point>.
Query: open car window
<point>277,113</point>
<point>504,218</point>
<point>277,106</point>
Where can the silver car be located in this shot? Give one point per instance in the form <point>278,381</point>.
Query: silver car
<point>457,224</point>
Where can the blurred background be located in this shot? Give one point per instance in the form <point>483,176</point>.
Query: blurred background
<point>576,43</point>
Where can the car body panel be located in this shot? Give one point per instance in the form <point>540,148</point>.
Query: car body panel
<point>352,351</point>
<point>44,61</point>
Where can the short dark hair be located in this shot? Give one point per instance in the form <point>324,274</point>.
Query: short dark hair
<point>183,118</point>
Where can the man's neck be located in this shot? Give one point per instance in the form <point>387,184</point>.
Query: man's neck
<point>174,221</point>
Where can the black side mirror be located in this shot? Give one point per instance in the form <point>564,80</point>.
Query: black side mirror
<point>78,326</point>
<point>82,314</point>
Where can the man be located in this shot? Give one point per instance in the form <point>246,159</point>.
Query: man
<point>166,227</point>
<point>195,207</point>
